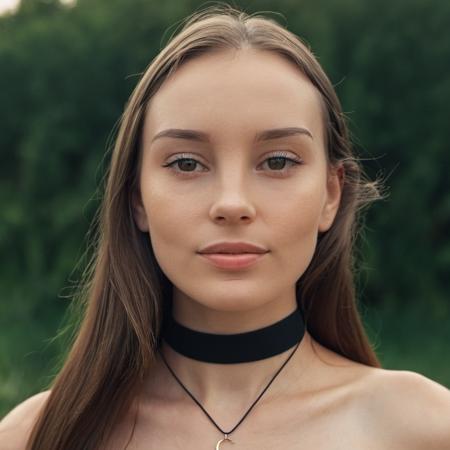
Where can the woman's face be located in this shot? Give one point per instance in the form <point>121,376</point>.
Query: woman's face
<point>229,189</point>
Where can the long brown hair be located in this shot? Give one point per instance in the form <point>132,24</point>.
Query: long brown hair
<point>123,288</point>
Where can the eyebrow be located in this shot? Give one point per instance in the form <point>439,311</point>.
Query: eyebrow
<point>265,135</point>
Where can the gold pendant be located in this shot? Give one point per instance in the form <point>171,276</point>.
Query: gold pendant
<point>226,438</point>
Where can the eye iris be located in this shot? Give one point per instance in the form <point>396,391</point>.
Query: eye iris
<point>189,164</point>
<point>280,162</point>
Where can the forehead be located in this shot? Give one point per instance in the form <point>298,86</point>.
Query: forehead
<point>235,93</point>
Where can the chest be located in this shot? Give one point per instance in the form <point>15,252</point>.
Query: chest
<point>322,423</point>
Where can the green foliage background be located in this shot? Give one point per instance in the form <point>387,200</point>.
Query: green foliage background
<point>65,75</point>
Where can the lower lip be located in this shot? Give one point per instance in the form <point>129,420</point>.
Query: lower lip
<point>238,261</point>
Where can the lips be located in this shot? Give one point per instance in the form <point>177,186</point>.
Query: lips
<point>233,248</point>
<point>233,261</point>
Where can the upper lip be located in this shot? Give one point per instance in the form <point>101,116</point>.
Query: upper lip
<point>233,247</point>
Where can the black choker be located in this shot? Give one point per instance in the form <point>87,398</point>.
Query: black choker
<point>235,348</point>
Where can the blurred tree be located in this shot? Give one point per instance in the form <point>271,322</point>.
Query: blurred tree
<point>397,84</point>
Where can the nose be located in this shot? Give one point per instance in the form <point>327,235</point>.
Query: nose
<point>232,204</point>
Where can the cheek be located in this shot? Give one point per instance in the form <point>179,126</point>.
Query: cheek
<point>295,227</point>
<point>298,214</point>
<point>170,216</point>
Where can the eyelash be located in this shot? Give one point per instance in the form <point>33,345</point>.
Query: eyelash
<point>185,157</point>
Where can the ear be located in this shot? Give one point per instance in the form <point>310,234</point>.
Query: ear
<point>140,217</point>
<point>335,183</point>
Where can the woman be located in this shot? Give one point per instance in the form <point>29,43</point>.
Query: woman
<point>233,142</point>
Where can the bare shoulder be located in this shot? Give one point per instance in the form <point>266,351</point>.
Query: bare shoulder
<point>16,425</point>
<point>410,409</point>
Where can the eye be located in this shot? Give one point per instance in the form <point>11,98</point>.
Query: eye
<point>185,163</point>
<point>276,163</point>
<point>279,160</point>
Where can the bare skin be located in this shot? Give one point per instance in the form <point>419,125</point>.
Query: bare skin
<point>322,401</point>
<point>300,401</point>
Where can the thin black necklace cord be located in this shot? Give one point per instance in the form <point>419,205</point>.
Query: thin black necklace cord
<point>248,411</point>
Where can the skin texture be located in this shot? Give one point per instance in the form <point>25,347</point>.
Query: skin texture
<point>232,193</point>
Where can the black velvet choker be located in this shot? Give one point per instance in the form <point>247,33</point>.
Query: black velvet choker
<point>235,348</point>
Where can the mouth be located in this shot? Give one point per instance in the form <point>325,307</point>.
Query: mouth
<point>233,248</point>
<point>232,261</point>
<point>231,253</point>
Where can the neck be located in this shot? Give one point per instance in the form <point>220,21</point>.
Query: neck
<point>233,385</point>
